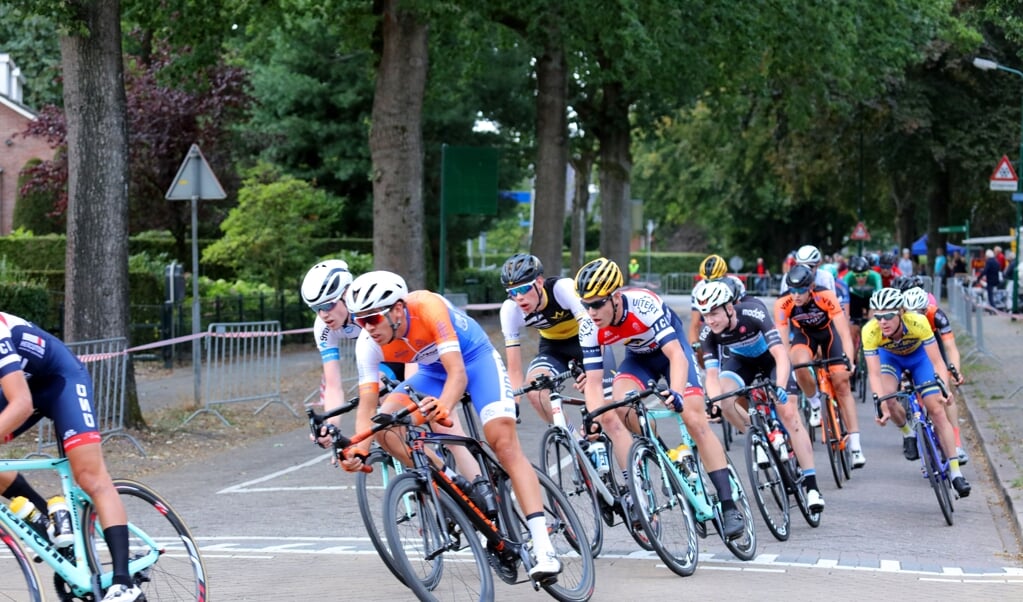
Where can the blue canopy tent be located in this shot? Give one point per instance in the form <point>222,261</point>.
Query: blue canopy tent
<point>920,247</point>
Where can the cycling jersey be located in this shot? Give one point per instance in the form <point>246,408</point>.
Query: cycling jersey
<point>647,324</point>
<point>916,332</point>
<point>939,322</point>
<point>863,284</point>
<point>557,316</point>
<point>433,327</point>
<point>816,314</point>
<point>328,340</point>
<point>822,279</point>
<point>60,385</point>
<point>747,345</point>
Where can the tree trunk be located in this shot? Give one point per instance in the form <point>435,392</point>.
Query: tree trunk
<point>937,215</point>
<point>396,145</point>
<point>552,156</point>
<point>615,169</point>
<point>583,167</point>
<point>96,283</point>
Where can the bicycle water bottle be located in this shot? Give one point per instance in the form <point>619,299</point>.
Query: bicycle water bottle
<point>27,511</point>
<point>683,457</point>
<point>598,453</point>
<point>485,493</point>
<point>61,532</point>
<point>777,439</point>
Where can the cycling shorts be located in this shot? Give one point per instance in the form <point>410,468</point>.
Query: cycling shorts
<point>67,400</point>
<point>858,310</point>
<point>641,368</point>
<point>918,364</point>
<point>826,341</point>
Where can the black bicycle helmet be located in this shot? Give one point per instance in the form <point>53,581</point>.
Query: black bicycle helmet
<point>800,276</point>
<point>859,264</point>
<point>887,261</point>
<point>520,268</point>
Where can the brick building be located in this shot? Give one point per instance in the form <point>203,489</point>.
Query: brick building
<point>16,149</point>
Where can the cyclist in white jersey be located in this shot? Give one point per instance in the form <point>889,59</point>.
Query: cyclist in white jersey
<point>810,256</point>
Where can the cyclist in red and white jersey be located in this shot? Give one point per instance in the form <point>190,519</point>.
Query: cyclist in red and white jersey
<point>654,349</point>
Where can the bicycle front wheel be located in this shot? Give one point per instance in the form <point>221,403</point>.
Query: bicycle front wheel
<point>832,440</point>
<point>660,505</point>
<point>768,487</point>
<point>932,456</point>
<point>744,547</point>
<point>433,543</point>
<point>164,558</point>
<point>371,491</point>
<point>18,580</point>
<point>560,462</point>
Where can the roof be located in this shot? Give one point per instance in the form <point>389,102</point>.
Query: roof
<point>17,107</point>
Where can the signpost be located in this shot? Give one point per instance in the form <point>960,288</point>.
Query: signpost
<point>195,180</point>
<point>1004,178</point>
<point>861,234</point>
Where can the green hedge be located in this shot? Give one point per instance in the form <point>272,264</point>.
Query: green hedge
<point>28,301</point>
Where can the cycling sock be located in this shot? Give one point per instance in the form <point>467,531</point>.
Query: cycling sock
<point>727,505</point>
<point>953,465</point>
<point>116,537</point>
<point>854,441</point>
<point>810,479</point>
<point>720,479</point>
<point>815,401</point>
<point>906,431</point>
<point>537,524</point>
<point>21,487</point>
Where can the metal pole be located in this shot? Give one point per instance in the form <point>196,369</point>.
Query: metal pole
<point>196,350</point>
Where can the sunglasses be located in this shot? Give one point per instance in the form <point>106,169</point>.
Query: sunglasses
<point>323,306</point>
<point>800,290</point>
<point>371,319</point>
<point>522,289</point>
<point>891,315</point>
<point>597,304</point>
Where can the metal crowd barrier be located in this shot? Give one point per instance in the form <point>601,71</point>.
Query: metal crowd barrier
<point>243,363</point>
<point>966,311</point>
<point>106,361</point>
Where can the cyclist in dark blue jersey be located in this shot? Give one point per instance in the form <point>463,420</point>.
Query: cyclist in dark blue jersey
<point>41,378</point>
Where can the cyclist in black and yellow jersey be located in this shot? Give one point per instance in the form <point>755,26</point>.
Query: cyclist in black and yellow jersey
<point>895,341</point>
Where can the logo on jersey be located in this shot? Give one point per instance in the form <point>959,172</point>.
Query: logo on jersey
<point>34,344</point>
<point>754,313</point>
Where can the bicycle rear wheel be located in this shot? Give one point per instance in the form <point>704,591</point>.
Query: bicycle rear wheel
<point>18,580</point>
<point>560,462</point>
<point>743,547</point>
<point>794,485</point>
<point>768,487</point>
<point>154,530</point>
<point>371,491</point>
<point>434,546</point>
<point>933,458</point>
<point>660,505</point>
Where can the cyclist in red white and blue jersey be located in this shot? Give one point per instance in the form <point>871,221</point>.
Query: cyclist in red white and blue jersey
<point>41,378</point>
<point>654,349</point>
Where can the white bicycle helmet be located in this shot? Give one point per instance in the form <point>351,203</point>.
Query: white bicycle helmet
<point>808,255</point>
<point>710,294</point>
<point>375,290</point>
<point>325,282</point>
<point>886,298</point>
<point>915,299</point>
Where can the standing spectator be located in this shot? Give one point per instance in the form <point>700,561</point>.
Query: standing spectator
<point>763,276</point>
<point>958,263</point>
<point>992,276</point>
<point>940,261</point>
<point>906,263</point>
<point>1000,256</point>
<point>633,269</point>
<point>788,262</point>
<point>977,264</point>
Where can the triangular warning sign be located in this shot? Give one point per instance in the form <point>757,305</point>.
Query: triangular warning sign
<point>1004,172</point>
<point>195,179</point>
<point>860,232</point>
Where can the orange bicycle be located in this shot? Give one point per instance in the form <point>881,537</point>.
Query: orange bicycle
<point>834,434</point>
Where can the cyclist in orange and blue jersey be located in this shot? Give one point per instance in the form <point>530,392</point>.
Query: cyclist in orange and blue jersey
<point>41,378</point>
<point>454,356</point>
<point>654,349</point>
<point>895,341</point>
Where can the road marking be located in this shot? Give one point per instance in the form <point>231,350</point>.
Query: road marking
<point>244,487</point>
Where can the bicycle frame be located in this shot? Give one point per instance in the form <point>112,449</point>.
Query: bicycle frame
<point>73,568</point>
<point>557,413</point>
<point>695,491</point>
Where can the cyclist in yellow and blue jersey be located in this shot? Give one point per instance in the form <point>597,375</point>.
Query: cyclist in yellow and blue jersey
<point>895,341</point>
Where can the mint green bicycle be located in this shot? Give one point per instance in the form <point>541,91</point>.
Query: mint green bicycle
<point>164,559</point>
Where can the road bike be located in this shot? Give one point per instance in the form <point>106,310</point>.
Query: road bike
<point>597,494</point>
<point>445,540</point>
<point>658,496</point>
<point>164,559</point>
<point>933,460</point>
<point>834,434</point>
<point>774,473</point>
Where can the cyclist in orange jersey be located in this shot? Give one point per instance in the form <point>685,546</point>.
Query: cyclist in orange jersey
<point>454,356</point>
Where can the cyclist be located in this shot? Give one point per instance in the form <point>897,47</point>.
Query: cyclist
<point>862,282</point>
<point>893,342</point>
<point>754,346</point>
<point>654,349</point>
<point>454,356</point>
<point>916,299</point>
<point>712,268</point>
<point>550,305</point>
<point>810,256</point>
<point>60,389</point>
<point>819,325</point>
<point>887,269</point>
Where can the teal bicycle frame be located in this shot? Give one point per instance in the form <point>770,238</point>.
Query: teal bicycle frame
<point>74,570</point>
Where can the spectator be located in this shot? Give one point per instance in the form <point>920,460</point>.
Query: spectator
<point>1000,256</point>
<point>958,264</point>
<point>633,269</point>
<point>762,276</point>
<point>992,276</point>
<point>788,262</point>
<point>906,263</point>
<point>940,261</point>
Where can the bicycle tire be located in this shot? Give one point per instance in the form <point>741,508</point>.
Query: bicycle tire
<point>931,453</point>
<point>795,487</point>
<point>745,546</point>
<point>577,579</point>
<point>832,440</point>
<point>727,434</point>
<point>560,461</point>
<point>17,576</point>
<point>650,478</point>
<point>179,573</point>
<point>768,487</point>
<point>805,411</point>
<point>410,521</point>
<point>372,497</point>
<point>847,469</point>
